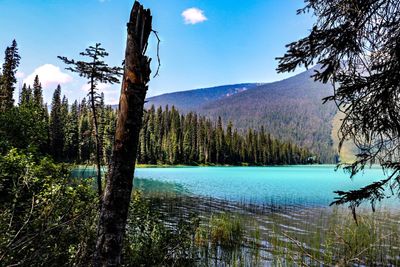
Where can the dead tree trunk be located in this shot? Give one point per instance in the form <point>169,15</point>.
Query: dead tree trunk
<point>117,193</point>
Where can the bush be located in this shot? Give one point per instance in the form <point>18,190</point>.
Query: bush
<point>46,218</point>
<point>24,127</point>
<point>222,230</point>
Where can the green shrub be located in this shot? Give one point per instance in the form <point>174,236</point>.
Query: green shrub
<point>46,218</point>
<point>223,230</point>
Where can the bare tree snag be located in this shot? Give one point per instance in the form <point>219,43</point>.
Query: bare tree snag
<point>117,193</point>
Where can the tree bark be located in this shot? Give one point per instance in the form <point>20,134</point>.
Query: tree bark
<point>97,137</point>
<point>117,193</point>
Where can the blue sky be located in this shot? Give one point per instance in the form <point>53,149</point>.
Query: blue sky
<point>220,42</point>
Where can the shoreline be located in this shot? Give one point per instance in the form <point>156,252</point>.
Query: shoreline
<point>146,166</point>
<point>166,166</point>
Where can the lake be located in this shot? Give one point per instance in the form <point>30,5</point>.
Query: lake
<point>287,184</point>
<point>305,185</point>
<point>292,185</point>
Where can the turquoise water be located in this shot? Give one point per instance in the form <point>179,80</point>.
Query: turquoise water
<point>259,185</point>
<point>291,185</point>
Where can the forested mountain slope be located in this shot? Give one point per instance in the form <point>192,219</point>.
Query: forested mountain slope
<point>290,109</point>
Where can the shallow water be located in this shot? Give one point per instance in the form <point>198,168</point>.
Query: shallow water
<point>272,233</point>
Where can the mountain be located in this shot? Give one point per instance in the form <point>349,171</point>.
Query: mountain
<point>193,99</point>
<point>290,109</point>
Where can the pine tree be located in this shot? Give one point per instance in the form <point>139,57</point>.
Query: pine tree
<point>102,125</point>
<point>96,71</point>
<point>85,138</point>
<point>64,120</point>
<point>159,133</point>
<point>41,113</point>
<point>109,130</point>
<point>25,95</point>
<point>46,129</point>
<point>8,79</point>
<point>357,47</point>
<point>56,126</point>
<point>220,142</point>
<point>37,92</point>
<point>72,134</point>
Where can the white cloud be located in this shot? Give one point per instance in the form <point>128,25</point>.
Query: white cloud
<point>193,16</point>
<point>48,75</point>
<point>20,75</point>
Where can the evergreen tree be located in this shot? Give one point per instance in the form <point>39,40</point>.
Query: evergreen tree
<point>64,119</point>
<point>46,129</point>
<point>37,92</point>
<point>85,139</point>
<point>72,134</point>
<point>56,126</point>
<point>41,114</point>
<point>25,95</point>
<point>96,71</point>
<point>356,45</point>
<point>8,79</point>
<point>109,130</point>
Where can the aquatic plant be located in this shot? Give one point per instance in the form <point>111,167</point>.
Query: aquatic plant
<point>236,234</point>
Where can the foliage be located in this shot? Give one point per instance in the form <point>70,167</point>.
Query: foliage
<point>168,137</point>
<point>57,126</point>
<point>37,92</point>
<point>21,127</point>
<point>244,234</point>
<point>49,219</point>
<point>46,217</point>
<point>222,230</point>
<point>150,242</point>
<point>96,71</point>
<point>26,126</point>
<point>356,44</point>
<point>8,79</point>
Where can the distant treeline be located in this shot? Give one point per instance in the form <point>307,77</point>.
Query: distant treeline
<point>167,137</point>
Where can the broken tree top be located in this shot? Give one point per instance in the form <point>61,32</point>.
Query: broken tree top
<point>140,23</point>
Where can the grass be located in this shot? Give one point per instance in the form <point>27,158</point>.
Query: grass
<point>221,230</point>
<point>231,234</point>
<point>336,239</point>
